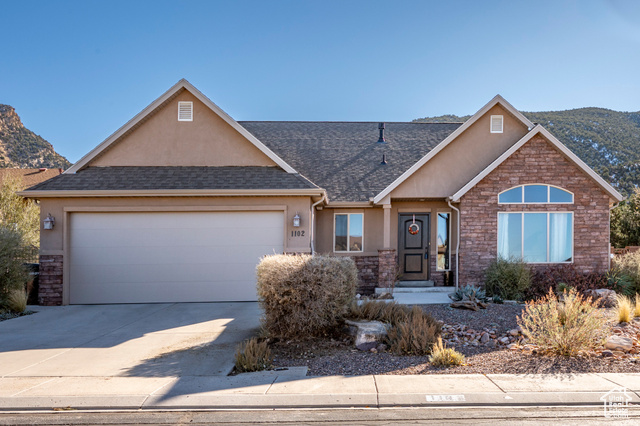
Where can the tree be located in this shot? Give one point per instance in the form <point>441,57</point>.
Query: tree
<point>625,222</point>
<point>20,214</point>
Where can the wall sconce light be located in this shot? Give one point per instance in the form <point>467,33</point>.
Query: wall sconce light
<point>296,221</point>
<point>49,221</point>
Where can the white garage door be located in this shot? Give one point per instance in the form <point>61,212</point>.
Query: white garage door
<point>169,257</point>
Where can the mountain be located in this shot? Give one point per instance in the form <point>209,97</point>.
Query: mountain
<point>20,147</point>
<point>608,141</point>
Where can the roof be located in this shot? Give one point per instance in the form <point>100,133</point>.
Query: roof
<point>344,157</point>
<point>538,129</point>
<point>127,178</point>
<point>29,177</point>
<point>158,103</point>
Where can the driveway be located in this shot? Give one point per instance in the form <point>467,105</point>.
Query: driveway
<point>142,340</point>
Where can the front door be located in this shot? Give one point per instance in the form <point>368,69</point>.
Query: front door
<point>413,246</point>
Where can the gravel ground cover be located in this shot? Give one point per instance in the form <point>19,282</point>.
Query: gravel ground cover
<point>10,315</point>
<point>463,329</point>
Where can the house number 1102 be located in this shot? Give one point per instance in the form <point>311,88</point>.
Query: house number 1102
<point>297,233</point>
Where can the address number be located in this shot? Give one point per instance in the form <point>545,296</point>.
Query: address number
<point>297,233</point>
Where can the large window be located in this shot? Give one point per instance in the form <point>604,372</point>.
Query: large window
<point>536,237</point>
<point>535,194</point>
<point>348,232</point>
<point>444,229</point>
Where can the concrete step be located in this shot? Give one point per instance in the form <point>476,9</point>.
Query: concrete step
<point>444,290</point>
<point>414,284</point>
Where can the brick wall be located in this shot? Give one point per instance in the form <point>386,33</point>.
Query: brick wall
<point>367,273</point>
<point>535,162</point>
<point>50,290</point>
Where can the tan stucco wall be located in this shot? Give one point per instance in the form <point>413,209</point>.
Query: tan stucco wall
<point>162,140</point>
<point>465,157</point>
<point>52,242</point>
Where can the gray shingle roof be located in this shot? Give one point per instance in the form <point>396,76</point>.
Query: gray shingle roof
<point>344,157</point>
<point>150,178</point>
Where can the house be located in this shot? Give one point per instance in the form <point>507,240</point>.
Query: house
<point>179,203</point>
<point>28,177</point>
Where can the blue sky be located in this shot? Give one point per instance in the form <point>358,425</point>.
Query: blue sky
<point>77,71</point>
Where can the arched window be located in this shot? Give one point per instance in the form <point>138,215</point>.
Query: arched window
<point>535,194</point>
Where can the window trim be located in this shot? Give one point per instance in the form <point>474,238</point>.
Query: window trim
<point>190,104</point>
<point>547,212</point>
<point>501,124</point>
<point>540,202</point>
<point>449,242</point>
<point>348,233</point>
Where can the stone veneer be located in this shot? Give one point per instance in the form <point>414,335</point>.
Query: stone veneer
<point>50,290</point>
<point>387,268</point>
<point>367,273</point>
<point>537,161</point>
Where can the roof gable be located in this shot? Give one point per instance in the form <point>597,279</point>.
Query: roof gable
<point>163,143</point>
<point>566,152</point>
<point>497,100</point>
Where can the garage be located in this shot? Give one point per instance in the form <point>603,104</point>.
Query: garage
<point>147,257</point>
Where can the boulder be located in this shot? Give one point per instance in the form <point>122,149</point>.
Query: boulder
<point>603,297</point>
<point>384,296</point>
<point>368,333</point>
<point>619,343</point>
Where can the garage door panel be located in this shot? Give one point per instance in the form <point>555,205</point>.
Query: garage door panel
<point>164,257</point>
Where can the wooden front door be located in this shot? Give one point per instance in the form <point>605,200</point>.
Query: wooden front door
<point>413,246</point>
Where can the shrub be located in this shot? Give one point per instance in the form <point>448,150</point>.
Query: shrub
<point>389,312</point>
<point>414,336</point>
<point>252,355</point>
<point>13,273</point>
<point>508,278</point>
<point>468,292</point>
<point>17,301</point>
<point>549,278</point>
<point>305,295</point>
<point>20,214</point>
<point>624,309</point>
<point>620,282</point>
<point>629,265</point>
<point>563,327</point>
<point>636,310</point>
<point>442,356</point>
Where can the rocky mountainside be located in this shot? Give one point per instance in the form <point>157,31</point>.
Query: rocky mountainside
<point>20,147</point>
<point>608,141</point>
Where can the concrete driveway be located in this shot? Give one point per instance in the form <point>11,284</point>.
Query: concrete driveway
<point>145,340</point>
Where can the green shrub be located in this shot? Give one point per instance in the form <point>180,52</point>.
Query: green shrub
<point>442,356</point>
<point>508,278</point>
<point>253,355</point>
<point>563,327</point>
<point>13,273</point>
<point>469,292</point>
<point>20,214</point>
<point>620,281</point>
<point>629,266</point>
<point>305,295</point>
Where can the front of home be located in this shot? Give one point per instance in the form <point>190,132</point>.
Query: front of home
<point>181,202</point>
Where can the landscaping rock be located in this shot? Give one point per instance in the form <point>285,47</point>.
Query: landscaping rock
<point>510,302</point>
<point>603,297</point>
<point>384,296</point>
<point>607,353</point>
<point>368,333</point>
<point>484,338</point>
<point>619,343</point>
<point>514,332</point>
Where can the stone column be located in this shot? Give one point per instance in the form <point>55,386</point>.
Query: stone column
<point>50,279</point>
<point>386,267</point>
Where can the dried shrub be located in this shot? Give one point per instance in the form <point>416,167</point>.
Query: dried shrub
<point>305,295</point>
<point>389,312</point>
<point>414,336</point>
<point>549,277</point>
<point>13,273</point>
<point>17,301</point>
<point>507,278</point>
<point>624,309</point>
<point>441,356</point>
<point>636,310</point>
<point>563,327</point>
<point>629,265</point>
<point>253,355</point>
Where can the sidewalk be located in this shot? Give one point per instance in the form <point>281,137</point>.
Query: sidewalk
<point>292,389</point>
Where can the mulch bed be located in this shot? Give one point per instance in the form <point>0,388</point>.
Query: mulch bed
<point>337,356</point>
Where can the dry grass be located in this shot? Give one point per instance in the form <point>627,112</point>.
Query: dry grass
<point>253,355</point>
<point>563,327</point>
<point>305,295</point>
<point>389,312</point>
<point>441,356</point>
<point>636,310</point>
<point>17,301</point>
<point>624,309</point>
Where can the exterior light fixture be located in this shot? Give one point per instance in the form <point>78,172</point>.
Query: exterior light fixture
<point>49,221</point>
<point>296,221</point>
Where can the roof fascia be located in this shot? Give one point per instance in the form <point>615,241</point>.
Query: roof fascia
<point>539,129</point>
<point>182,84</point>
<point>348,204</point>
<point>174,193</point>
<point>493,102</point>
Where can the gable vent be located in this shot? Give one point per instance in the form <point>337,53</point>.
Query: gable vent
<point>496,124</point>
<point>185,111</point>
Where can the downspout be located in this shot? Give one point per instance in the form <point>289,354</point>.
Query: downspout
<point>457,240</point>
<point>313,223</point>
